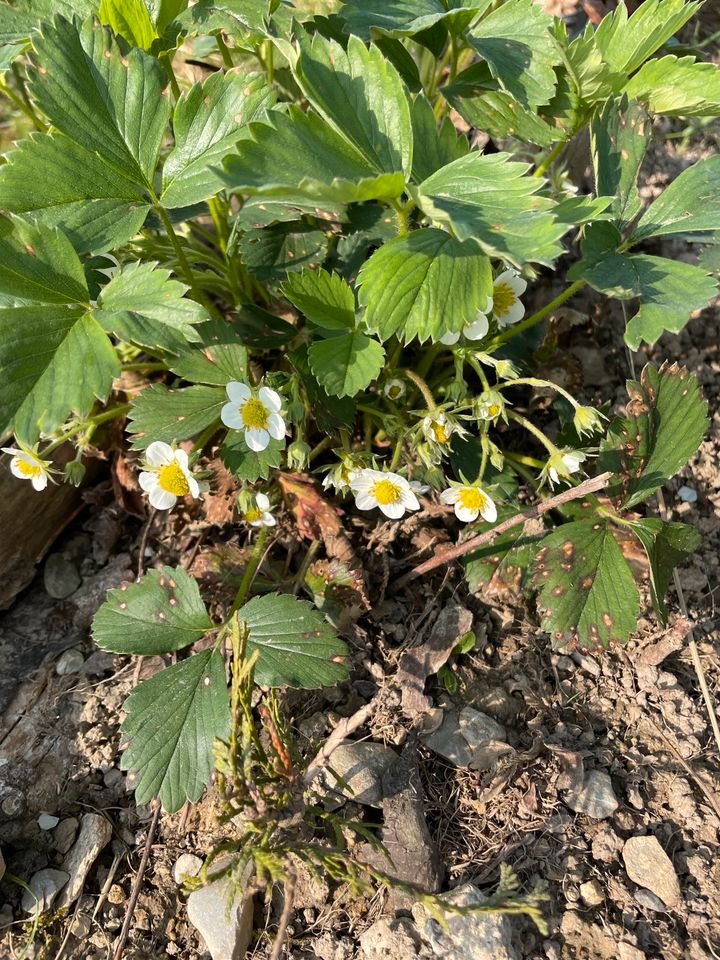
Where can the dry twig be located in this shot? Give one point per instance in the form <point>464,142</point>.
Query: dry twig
<point>137,883</point>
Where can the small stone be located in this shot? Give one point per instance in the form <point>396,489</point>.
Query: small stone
<point>472,936</point>
<point>186,865</point>
<point>478,728</point>
<point>116,894</point>
<point>649,866</point>
<point>391,939</point>
<point>112,777</point>
<point>361,765</point>
<point>687,494</point>
<point>226,933</point>
<point>60,576</point>
<point>71,661</point>
<point>592,893</point>
<point>81,926</point>
<point>13,803</point>
<point>46,821</point>
<point>596,797</point>
<point>646,898</point>
<point>449,742</point>
<point>95,833</point>
<point>64,835</point>
<point>45,885</point>
<point>626,951</point>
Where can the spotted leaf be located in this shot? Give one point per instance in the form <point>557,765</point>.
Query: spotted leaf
<point>666,546</point>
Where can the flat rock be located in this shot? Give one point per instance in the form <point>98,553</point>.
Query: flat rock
<point>45,885</point>
<point>646,898</point>
<point>459,736</point>
<point>470,936</point>
<point>226,933</point>
<point>595,798</point>
<point>70,661</point>
<point>592,893</point>
<point>390,939</point>
<point>46,821</point>
<point>361,764</point>
<point>649,866</point>
<point>186,865</point>
<point>95,833</point>
<point>64,835</point>
<point>60,576</point>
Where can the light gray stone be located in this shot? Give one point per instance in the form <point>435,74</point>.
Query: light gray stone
<point>687,494</point>
<point>95,833</point>
<point>70,661</point>
<point>361,765</point>
<point>649,866</point>
<point>459,737</point>
<point>478,727</point>
<point>60,576</point>
<point>46,821</point>
<point>186,865</point>
<point>470,936</point>
<point>390,939</point>
<point>64,835</point>
<point>596,798</point>
<point>646,898</point>
<point>45,885</point>
<point>226,933</point>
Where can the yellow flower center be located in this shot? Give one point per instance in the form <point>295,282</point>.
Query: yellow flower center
<point>171,477</point>
<point>253,514</point>
<point>503,298</point>
<point>494,409</point>
<point>440,432</point>
<point>385,492</point>
<point>28,469</point>
<point>472,498</point>
<point>254,414</point>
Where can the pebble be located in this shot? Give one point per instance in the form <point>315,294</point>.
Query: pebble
<point>70,661</point>
<point>64,835</point>
<point>361,764</point>
<point>226,933</point>
<point>596,797</point>
<point>95,833</point>
<point>592,893</point>
<point>45,885</point>
<point>186,865</point>
<point>687,494</point>
<point>472,936</point>
<point>478,728</point>
<point>46,821</point>
<point>646,898</point>
<point>649,866</point>
<point>459,736</point>
<point>81,926</point>
<point>60,576</point>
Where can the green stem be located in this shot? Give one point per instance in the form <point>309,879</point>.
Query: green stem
<point>269,59</point>
<point>21,105</point>
<point>250,571</point>
<point>224,52</point>
<point>91,422</point>
<point>549,159</point>
<point>182,259</point>
<point>397,453</point>
<point>321,447</point>
<point>174,86</point>
<point>535,382</point>
<point>535,431</point>
<point>478,368</point>
<point>535,317</point>
<point>148,366</point>
<point>402,210</point>
<point>423,388</point>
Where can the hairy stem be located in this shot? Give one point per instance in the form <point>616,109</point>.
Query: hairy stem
<point>535,318</point>
<point>250,571</point>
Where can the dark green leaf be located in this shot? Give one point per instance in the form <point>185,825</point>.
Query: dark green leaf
<point>587,593</point>
<point>19,20</point>
<point>433,147</point>
<point>667,545</point>
<point>275,251</point>
<point>297,647</point>
<point>347,363</point>
<point>620,134</point>
<point>261,329</point>
<point>325,298</point>
<point>221,358</point>
<point>502,568</point>
<point>173,415</point>
<point>246,464</point>
<point>172,722</point>
<point>690,204</point>
<point>161,613</point>
<point>406,18</point>
<point>423,284</point>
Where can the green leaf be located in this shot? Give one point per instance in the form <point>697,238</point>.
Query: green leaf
<point>329,413</point>
<point>131,20</point>
<point>246,464</point>
<point>161,613</point>
<point>263,330</point>
<point>222,357</point>
<point>55,358</point>
<point>665,424</point>
<point>479,99</point>
<point>516,42</point>
<point>207,123</point>
<point>667,545</point>
<point>297,157</point>
<point>234,17</point>
<point>690,204</point>
<point>406,18</point>
<point>23,17</point>
<point>423,284</point>
<point>619,135</point>
<point>502,568</point>
<point>296,646</point>
<point>677,87</point>
<point>433,147</point>
<point>587,594</point>
<point>142,304</point>
<point>491,199</point>
<point>173,415</point>
<point>325,298</point>
<point>583,209</point>
<point>172,722</point>
<point>275,251</point>
<point>347,363</point>
<point>627,42</point>
<point>360,94</point>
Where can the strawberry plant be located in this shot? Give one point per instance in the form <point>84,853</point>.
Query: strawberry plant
<point>284,224</point>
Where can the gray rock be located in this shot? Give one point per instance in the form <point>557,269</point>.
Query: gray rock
<point>6,915</point>
<point>646,898</point>
<point>361,764</point>
<point>64,835</point>
<point>45,885</point>
<point>687,494</point>
<point>459,737</point>
<point>596,797</point>
<point>390,939</point>
<point>470,936</point>
<point>95,833</point>
<point>649,866</point>
<point>477,727</point>
<point>81,926</point>
<point>226,933</point>
<point>60,576</point>
<point>186,865</point>
<point>71,661</point>
<point>46,821</point>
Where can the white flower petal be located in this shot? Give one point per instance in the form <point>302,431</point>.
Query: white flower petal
<point>553,475</point>
<point>268,520</point>
<point>257,439</point>
<point>182,458</point>
<point>231,416</point>
<point>40,481</point>
<point>478,328</point>
<point>159,453</point>
<point>489,511</point>
<point>262,501</point>
<point>270,398</point>
<point>194,486</point>
<point>450,495</point>
<point>162,499</point>
<point>450,338</point>
<point>365,500</point>
<point>148,481</point>
<point>13,451</point>
<point>466,514</point>
<point>394,510</point>
<point>409,500</point>
<point>488,306</point>
<point>238,392</point>
<point>512,315</point>
<point>276,426</point>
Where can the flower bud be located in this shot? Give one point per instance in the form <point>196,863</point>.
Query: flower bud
<point>298,455</point>
<point>74,472</point>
